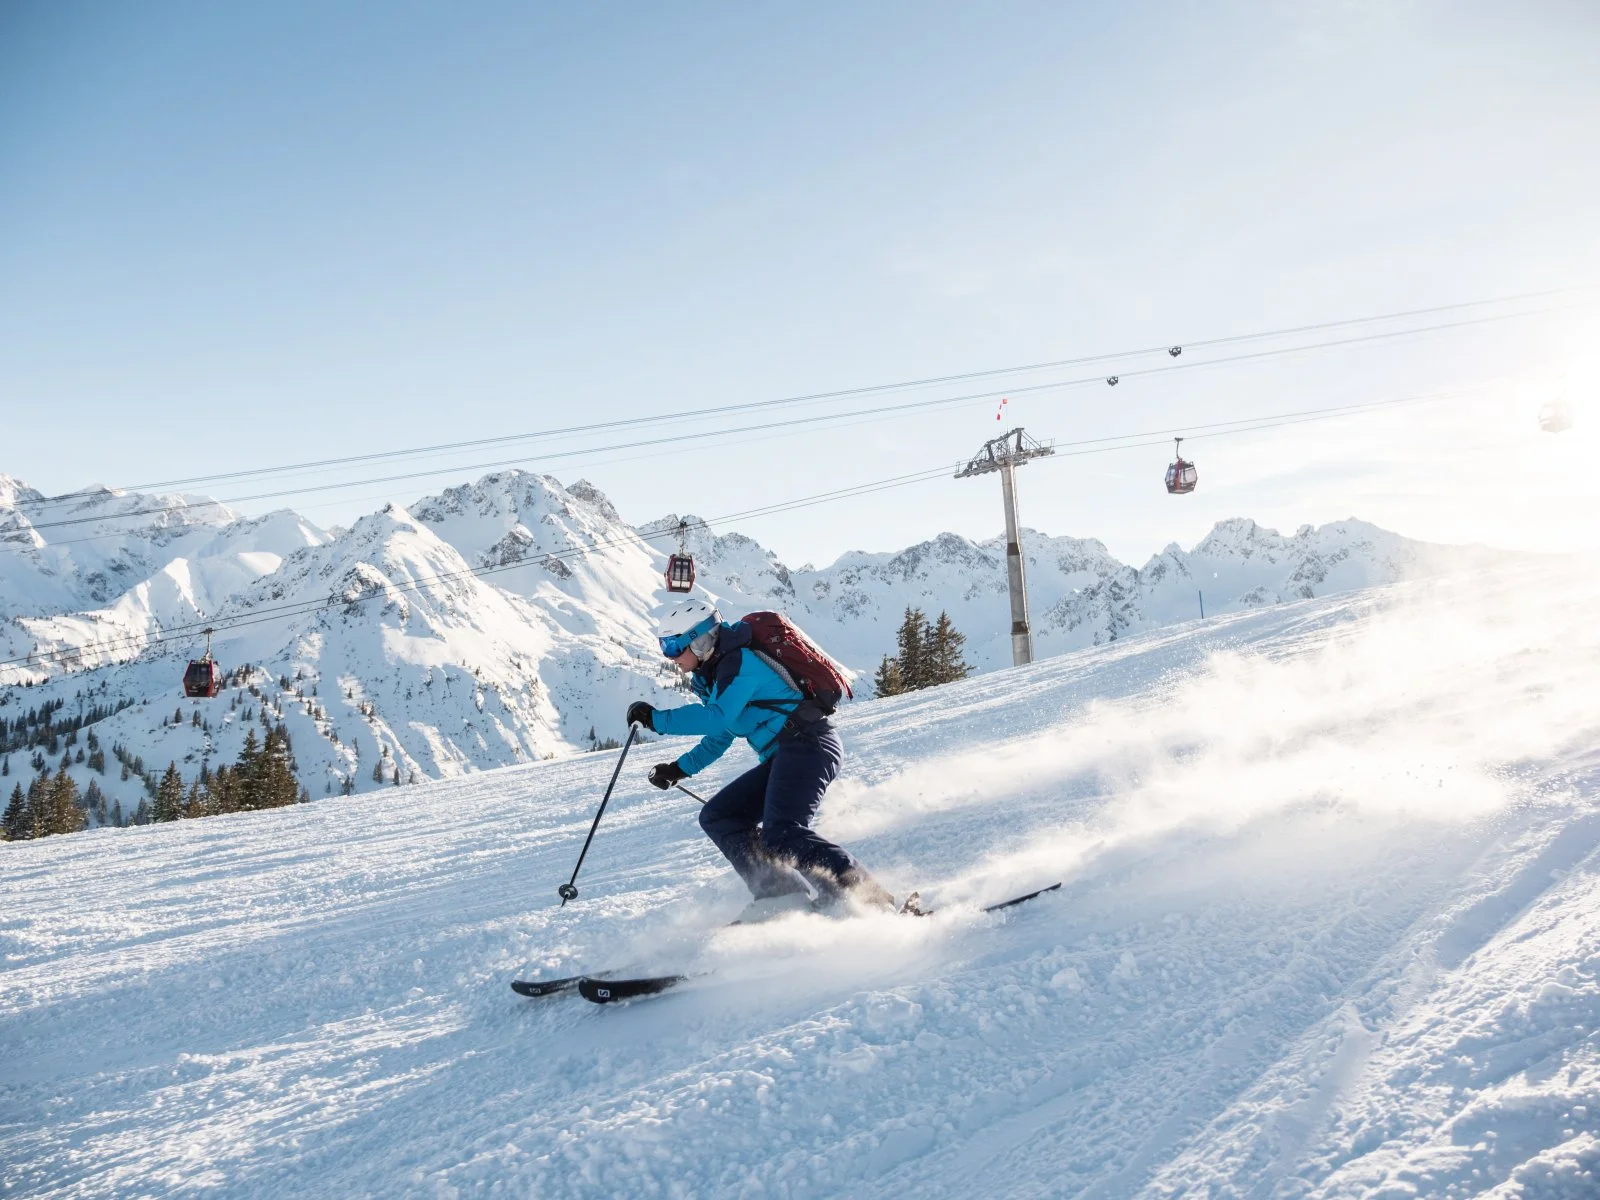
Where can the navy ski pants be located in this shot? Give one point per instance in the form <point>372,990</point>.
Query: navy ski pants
<point>762,820</point>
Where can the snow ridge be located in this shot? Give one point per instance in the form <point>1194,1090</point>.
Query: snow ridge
<point>509,619</point>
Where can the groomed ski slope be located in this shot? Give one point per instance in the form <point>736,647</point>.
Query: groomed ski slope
<point>1330,927</point>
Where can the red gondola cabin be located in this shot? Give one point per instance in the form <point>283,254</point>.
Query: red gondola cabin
<point>680,566</point>
<point>1181,475</point>
<point>680,573</point>
<point>1555,417</point>
<point>203,679</point>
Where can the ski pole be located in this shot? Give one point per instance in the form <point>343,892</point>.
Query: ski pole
<point>688,793</point>
<point>567,891</point>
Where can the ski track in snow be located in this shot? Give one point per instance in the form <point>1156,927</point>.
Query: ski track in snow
<point>1330,927</point>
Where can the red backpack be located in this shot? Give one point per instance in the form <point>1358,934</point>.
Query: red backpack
<point>815,676</point>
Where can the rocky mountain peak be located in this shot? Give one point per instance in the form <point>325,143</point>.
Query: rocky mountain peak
<point>504,619</point>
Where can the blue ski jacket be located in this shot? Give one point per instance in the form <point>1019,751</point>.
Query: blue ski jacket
<point>733,687</point>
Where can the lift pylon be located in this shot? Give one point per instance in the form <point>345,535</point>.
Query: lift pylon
<point>1005,454</point>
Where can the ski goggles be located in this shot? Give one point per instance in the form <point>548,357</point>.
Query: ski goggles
<point>676,643</point>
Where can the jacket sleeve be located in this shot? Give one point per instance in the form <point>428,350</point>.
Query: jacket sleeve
<point>716,714</point>
<point>714,719</point>
<point>711,748</point>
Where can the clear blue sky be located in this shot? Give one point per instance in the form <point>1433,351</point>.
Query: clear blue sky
<point>239,235</point>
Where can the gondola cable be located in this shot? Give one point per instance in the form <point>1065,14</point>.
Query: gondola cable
<point>910,406</point>
<point>294,609</point>
<point>846,393</point>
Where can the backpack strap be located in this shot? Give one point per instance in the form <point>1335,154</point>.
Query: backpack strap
<point>803,709</point>
<point>778,669</point>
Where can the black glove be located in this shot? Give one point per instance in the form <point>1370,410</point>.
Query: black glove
<point>664,775</point>
<point>641,712</point>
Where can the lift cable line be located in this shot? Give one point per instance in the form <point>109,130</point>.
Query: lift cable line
<point>910,406</point>
<point>139,641</point>
<point>815,419</point>
<point>1069,450</point>
<point>712,434</point>
<point>873,389</point>
<point>792,423</point>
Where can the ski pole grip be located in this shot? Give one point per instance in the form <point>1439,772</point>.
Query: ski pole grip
<point>568,890</point>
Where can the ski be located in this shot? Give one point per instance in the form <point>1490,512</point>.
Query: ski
<point>598,990</point>
<point>609,991</point>
<point>546,987</point>
<point>1016,900</point>
<point>913,903</point>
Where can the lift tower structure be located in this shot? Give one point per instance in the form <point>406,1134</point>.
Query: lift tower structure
<point>1005,454</point>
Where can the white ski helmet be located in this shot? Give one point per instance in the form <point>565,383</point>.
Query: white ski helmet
<point>689,625</point>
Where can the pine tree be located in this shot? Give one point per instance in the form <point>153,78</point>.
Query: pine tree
<point>218,792</point>
<point>169,796</point>
<point>276,770</point>
<point>36,808</point>
<point>193,804</point>
<point>888,681</point>
<point>63,814</point>
<point>14,826</point>
<point>911,639</point>
<point>95,801</point>
<point>945,662</point>
<point>247,775</point>
<point>377,771</point>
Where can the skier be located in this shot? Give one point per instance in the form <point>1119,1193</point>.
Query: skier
<point>761,821</point>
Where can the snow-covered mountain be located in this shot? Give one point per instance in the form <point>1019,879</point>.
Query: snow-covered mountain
<point>87,549</point>
<point>98,574</point>
<point>1079,595</point>
<point>509,619</point>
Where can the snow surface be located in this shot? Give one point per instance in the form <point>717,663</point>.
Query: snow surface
<point>1330,928</point>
